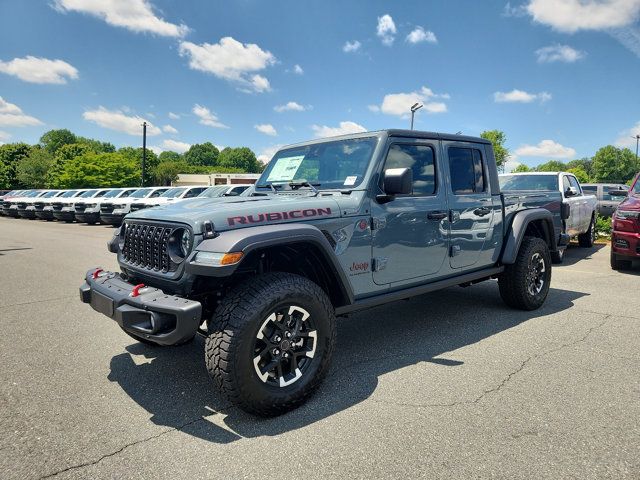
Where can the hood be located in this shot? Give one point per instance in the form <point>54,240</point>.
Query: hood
<point>632,202</point>
<point>122,201</point>
<point>228,213</point>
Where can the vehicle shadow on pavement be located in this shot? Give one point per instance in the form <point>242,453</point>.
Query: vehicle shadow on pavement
<point>575,254</point>
<point>173,386</point>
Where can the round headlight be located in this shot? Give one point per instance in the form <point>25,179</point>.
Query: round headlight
<point>185,242</point>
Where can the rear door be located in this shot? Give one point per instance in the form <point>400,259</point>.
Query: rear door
<point>469,196</point>
<point>410,233</point>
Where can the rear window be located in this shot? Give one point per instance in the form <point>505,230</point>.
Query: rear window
<point>591,190</point>
<point>528,182</point>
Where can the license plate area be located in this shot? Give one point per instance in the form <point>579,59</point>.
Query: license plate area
<point>102,303</point>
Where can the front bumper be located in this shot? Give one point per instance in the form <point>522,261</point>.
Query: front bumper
<point>29,212</point>
<point>88,216</point>
<point>625,244</point>
<point>65,215</point>
<point>112,218</point>
<point>45,214</point>
<point>12,211</point>
<point>153,315</point>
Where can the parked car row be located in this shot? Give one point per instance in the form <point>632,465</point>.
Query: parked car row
<point>101,205</point>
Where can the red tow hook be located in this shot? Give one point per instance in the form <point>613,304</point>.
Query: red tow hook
<point>136,290</point>
<point>97,273</point>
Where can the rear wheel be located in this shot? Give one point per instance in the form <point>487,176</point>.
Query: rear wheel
<point>270,343</point>
<point>588,238</point>
<point>525,284</point>
<point>617,264</point>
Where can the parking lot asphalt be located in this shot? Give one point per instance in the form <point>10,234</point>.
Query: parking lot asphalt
<point>451,384</point>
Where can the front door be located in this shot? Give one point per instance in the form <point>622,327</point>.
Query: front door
<point>471,209</point>
<point>410,232</point>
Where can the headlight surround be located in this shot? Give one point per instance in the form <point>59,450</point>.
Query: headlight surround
<point>627,214</point>
<point>180,244</point>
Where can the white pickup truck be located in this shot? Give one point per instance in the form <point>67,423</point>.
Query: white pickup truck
<point>577,209</point>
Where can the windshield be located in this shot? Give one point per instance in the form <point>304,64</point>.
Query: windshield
<point>33,193</point>
<point>50,194</point>
<point>88,193</point>
<point>528,182</point>
<point>216,191</point>
<point>70,193</point>
<point>112,193</point>
<point>173,192</point>
<point>636,186</point>
<point>141,193</point>
<point>331,164</point>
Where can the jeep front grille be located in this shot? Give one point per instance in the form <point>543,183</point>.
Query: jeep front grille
<point>147,246</point>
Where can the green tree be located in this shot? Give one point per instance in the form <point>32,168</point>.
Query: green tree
<point>611,164</point>
<point>4,177</point>
<point>585,163</point>
<point>52,140</point>
<point>169,156</point>
<point>241,158</point>
<point>580,174</point>
<point>151,163</point>
<point>167,172</point>
<point>202,154</point>
<point>521,168</point>
<point>10,156</point>
<point>552,166</point>
<point>63,155</point>
<point>100,170</point>
<point>32,171</point>
<point>96,145</point>
<point>497,139</point>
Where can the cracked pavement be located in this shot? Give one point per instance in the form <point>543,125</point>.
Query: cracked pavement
<point>447,385</point>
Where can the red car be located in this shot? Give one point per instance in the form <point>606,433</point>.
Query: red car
<point>625,237</point>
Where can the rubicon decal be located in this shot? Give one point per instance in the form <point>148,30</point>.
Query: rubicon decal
<point>278,216</point>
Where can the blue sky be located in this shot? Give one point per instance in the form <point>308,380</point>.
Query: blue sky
<point>560,77</point>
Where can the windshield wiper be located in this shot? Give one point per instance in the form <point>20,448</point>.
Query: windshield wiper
<point>304,183</point>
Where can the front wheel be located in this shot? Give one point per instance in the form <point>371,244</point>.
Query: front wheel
<point>270,343</point>
<point>525,284</point>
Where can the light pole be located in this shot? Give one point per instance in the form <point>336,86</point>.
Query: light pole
<point>637,137</point>
<point>144,151</point>
<point>414,108</point>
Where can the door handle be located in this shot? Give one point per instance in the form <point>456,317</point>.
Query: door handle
<point>482,211</point>
<point>437,215</point>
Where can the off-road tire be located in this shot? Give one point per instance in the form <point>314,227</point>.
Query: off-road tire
<point>229,347</point>
<point>588,238</point>
<point>617,264</point>
<point>514,281</point>
<point>557,257</point>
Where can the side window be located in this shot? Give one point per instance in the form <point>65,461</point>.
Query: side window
<point>421,160</point>
<point>194,192</point>
<point>575,184</point>
<point>101,194</point>
<point>466,171</point>
<point>565,183</point>
<point>157,193</point>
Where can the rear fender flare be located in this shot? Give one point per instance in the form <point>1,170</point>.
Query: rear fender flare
<point>515,234</point>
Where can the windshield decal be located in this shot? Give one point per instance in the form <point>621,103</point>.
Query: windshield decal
<point>278,216</point>
<point>285,169</point>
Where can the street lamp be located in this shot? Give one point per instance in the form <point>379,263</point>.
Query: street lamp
<point>144,151</point>
<point>637,137</point>
<point>414,108</point>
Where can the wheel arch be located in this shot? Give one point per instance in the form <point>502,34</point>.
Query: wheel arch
<point>535,222</point>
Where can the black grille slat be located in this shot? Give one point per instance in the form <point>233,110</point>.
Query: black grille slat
<point>146,246</point>
<point>106,207</point>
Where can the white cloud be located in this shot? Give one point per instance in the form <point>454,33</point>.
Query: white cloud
<point>419,35</point>
<point>546,148</point>
<point>4,136</point>
<point>174,116</point>
<point>267,153</point>
<point>120,122</point>
<point>135,15</point>
<point>386,30</point>
<point>175,146</point>
<point>399,103</point>
<point>39,70</point>
<point>206,117</point>
<point>297,69</point>
<point>169,129</point>
<point>351,46</point>
<point>343,129</point>
<point>290,107</point>
<point>520,96</point>
<point>511,164</point>
<point>231,60</point>
<point>573,15</point>
<point>266,128</point>
<point>12,116</point>
<point>514,11</point>
<point>627,137</point>
<point>559,53</point>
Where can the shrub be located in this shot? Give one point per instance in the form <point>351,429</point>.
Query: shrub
<point>603,226</point>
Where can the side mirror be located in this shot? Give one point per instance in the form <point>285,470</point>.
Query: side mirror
<point>619,193</point>
<point>571,192</point>
<point>398,181</point>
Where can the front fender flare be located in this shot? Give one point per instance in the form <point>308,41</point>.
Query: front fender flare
<point>518,227</point>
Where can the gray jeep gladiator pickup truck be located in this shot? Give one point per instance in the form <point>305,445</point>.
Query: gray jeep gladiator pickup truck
<point>332,226</point>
